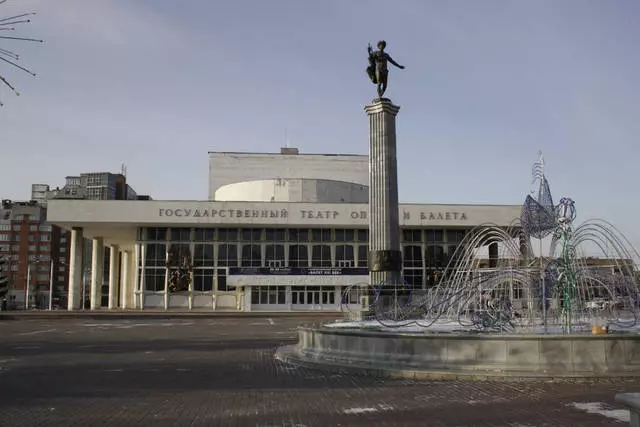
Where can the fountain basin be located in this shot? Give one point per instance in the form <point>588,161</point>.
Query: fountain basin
<point>466,355</point>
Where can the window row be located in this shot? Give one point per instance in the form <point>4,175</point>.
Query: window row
<point>429,236</point>
<point>204,280</point>
<point>255,255</point>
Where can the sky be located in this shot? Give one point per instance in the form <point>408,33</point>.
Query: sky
<point>156,84</point>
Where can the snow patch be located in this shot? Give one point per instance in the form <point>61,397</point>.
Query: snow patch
<point>379,407</point>
<point>599,408</point>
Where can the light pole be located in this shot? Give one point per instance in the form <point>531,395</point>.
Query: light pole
<point>26,295</point>
<point>51,286</point>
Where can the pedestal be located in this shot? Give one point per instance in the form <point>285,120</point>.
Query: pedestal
<point>385,257</point>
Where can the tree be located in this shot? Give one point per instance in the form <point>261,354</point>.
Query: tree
<point>4,276</point>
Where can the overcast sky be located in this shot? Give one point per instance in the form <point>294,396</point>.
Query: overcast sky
<point>157,84</point>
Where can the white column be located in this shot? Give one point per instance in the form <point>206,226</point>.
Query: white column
<point>114,273</point>
<point>125,281</point>
<point>97,273</point>
<point>75,270</point>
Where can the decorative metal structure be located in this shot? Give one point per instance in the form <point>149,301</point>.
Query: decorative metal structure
<point>562,292</point>
<point>8,56</point>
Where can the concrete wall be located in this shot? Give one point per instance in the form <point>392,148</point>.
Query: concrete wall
<point>230,168</point>
<point>294,190</point>
<point>474,354</point>
<point>109,215</point>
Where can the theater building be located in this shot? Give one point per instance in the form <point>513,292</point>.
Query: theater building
<point>280,232</point>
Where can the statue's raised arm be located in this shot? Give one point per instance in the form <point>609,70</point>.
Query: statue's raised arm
<point>377,69</point>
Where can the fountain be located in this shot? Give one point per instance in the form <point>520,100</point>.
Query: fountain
<point>525,315</point>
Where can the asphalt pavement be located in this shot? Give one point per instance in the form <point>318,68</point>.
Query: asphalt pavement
<point>195,371</point>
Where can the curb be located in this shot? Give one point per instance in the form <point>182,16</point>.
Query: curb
<point>124,315</point>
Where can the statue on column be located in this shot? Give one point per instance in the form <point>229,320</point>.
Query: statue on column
<point>377,69</point>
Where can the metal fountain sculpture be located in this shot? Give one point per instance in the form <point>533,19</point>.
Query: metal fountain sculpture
<point>563,291</point>
<point>9,56</point>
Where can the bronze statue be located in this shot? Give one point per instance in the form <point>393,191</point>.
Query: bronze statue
<point>377,69</point>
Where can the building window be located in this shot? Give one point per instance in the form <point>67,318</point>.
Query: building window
<point>5,227</point>
<point>33,227</point>
<point>156,234</point>
<point>5,248</point>
<point>345,235</point>
<point>268,295</point>
<point>42,277</point>
<point>32,248</point>
<point>298,256</point>
<point>413,278</point>
<point>16,227</point>
<point>363,236</point>
<point>435,256</point>
<point>181,234</point>
<point>345,256</point>
<point>4,237</point>
<point>454,237</point>
<point>251,256</point>
<point>412,235</point>
<point>204,234</point>
<point>363,256</point>
<point>321,235</point>
<point>63,250</point>
<point>228,234</point>
<point>18,218</point>
<point>31,238</point>
<point>14,267</point>
<point>222,280</point>
<point>155,254</point>
<point>274,254</point>
<point>203,280</point>
<point>44,237</point>
<point>251,234</point>
<point>203,255</point>
<point>275,235</point>
<point>154,279</point>
<point>60,278</point>
<point>45,227</point>
<point>315,295</point>
<point>298,235</point>
<point>45,257</point>
<point>15,248</point>
<point>321,256</point>
<point>47,248</point>
<point>227,255</point>
<point>16,237</point>
<point>412,256</point>
<point>434,236</point>
<point>61,269</point>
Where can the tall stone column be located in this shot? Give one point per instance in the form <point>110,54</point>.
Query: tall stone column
<point>74,300</point>
<point>97,273</point>
<point>125,288</point>
<point>385,257</point>
<point>114,276</point>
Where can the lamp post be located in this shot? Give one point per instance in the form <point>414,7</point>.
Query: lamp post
<point>26,292</point>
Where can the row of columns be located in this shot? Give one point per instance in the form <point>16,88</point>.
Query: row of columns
<point>120,283</point>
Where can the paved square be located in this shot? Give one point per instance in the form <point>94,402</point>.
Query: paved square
<point>221,372</point>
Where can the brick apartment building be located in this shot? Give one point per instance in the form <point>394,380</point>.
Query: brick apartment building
<point>30,246</point>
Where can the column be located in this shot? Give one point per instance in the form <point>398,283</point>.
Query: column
<point>125,281</point>
<point>385,257</point>
<point>114,276</point>
<point>97,273</point>
<point>75,270</point>
<point>493,254</point>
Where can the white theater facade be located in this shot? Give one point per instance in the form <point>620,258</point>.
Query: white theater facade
<point>280,232</point>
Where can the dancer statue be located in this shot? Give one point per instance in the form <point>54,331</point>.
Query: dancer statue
<point>377,69</point>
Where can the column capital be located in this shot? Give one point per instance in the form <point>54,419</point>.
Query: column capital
<point>383,105</point>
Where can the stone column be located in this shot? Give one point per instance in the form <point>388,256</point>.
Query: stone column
<point>97,273</point>
<point>114,276</point>
<point>385,257</point>
<point>74,301</point>
<point>125,280</point>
